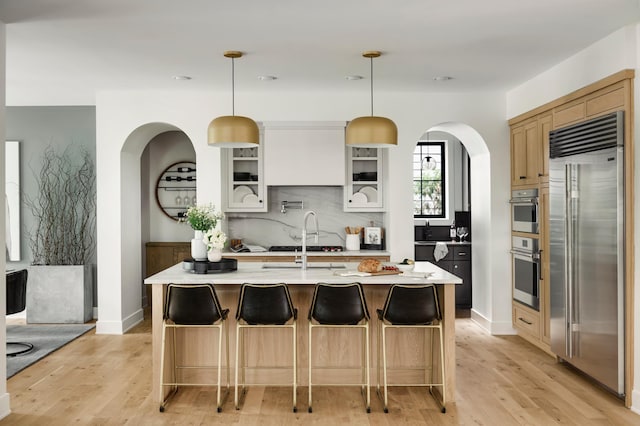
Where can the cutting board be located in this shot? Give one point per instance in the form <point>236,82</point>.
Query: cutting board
<point>365,274</point>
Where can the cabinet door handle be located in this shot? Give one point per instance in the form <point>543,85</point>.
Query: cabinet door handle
<point>525,321</point>
<point>540,174</point>
<point>462,253</point>
<point>523,177</point>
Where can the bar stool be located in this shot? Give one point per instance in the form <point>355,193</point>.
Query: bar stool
<point>187,307</point>
<point>264,306</point>
<point>411,306</point>
<point>341,306</point>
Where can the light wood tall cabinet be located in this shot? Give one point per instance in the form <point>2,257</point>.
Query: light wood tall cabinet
<point>530,169</point>
<point>530,151</point>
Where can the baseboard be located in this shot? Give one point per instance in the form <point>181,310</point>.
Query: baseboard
<point>5,405</point>
<point>493,328</point>
<point>503,329</point>
<point>108,327</point>
<point>120,327</point>
<point>635,401</point>
<point>480,320</point>
<point>133,320</point>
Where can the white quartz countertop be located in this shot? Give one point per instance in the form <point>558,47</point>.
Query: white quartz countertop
<point>449,243</point>
<point>344,253</point>
<point>253,272</point>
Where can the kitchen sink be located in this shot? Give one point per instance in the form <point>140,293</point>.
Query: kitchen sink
<point>310,265</point>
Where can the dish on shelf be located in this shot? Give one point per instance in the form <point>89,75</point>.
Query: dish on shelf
<point>370,192</point>
<point>367,176</point>
<point>241,176</point>
<point>359,198</point>
<point>240,192</point>
<point>250,199</point>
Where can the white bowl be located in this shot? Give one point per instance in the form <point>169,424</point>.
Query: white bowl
<point>405,267</point>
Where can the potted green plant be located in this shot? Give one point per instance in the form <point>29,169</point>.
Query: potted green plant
<point>201,219</point>
<point>62,241</point>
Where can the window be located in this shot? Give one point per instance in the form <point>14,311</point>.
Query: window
<point>428,180</point>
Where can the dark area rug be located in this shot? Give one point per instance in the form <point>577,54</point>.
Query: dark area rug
<point>44,338</point>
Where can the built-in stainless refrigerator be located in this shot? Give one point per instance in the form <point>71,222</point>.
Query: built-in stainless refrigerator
<point>586,200</point>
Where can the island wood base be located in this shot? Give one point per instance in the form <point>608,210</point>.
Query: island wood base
<point>337,348</point>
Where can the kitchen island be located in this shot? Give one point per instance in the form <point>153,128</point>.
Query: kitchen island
<point>272,347</point>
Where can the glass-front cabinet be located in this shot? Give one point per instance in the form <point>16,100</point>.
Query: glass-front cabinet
<point>363,189</point>
<point>245,187</point>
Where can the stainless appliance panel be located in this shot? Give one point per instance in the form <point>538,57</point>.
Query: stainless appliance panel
<point>526,271</point>
<point>587,263</point>
<point>524,211</point>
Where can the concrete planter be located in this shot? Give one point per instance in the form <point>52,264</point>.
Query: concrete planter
<point>59,294</point>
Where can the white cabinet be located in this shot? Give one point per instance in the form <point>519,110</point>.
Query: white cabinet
<point>243,180</point>
<point>363,189</point>
<point>304,153</point>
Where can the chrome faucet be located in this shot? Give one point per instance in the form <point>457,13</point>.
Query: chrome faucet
<point>316,234</point>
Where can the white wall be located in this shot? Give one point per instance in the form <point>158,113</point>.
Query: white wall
<point>163,150</point>
<point>603,58</point>
<point>119,114</point>
<point>614,53</point>
<point>4,396</point>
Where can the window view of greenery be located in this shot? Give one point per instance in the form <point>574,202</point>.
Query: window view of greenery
<point>428,180</point>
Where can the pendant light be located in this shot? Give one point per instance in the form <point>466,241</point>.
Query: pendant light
<point>233,131</point>
<point>428,163</point>
<point>371,131</point>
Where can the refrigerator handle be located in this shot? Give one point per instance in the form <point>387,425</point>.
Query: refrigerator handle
<point>568,248</point>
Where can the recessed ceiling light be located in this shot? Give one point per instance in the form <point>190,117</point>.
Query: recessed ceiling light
<point>354,77</point>
<point>181,77</point>
<point>443,78</point>
<point>267,77</point>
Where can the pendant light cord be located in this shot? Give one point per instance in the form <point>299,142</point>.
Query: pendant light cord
<point>233,87</point>
<point>371,72</point>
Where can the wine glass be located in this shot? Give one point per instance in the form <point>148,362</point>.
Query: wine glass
<point>179,199</point>
<point>461,232</point>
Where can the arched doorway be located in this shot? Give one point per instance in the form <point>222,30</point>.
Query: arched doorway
<point>120,300</point>
<point>491,296</point>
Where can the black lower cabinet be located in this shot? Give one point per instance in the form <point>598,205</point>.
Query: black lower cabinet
<point>458,262</point>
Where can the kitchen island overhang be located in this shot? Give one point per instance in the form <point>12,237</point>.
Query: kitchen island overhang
<point>406,357</point>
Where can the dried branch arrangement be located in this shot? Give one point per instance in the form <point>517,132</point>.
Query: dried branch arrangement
<point>64,210</point>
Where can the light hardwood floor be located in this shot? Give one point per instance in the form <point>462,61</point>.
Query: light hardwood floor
<point>106,380</point>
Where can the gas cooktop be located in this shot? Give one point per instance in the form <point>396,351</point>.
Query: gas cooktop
<point>309,248</point>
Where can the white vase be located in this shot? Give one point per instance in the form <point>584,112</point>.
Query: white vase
<point>214,255</point>
<point>198,247</point>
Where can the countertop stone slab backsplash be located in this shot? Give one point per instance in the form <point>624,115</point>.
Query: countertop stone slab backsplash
<point>277,228</point>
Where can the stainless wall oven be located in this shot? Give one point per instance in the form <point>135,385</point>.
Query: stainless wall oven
<point>525,216</point>
<point>526,271</point>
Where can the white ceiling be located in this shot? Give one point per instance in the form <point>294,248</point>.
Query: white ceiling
<point>60,52</point>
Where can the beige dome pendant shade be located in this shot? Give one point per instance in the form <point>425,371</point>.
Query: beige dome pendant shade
<point>371,131</point>
<point>233,131</point>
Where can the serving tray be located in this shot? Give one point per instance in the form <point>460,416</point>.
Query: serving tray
<point>205,267</point>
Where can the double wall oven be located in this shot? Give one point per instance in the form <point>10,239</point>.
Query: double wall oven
<point>526,271</point>
<point>525,216</point>
<point>525,250</point>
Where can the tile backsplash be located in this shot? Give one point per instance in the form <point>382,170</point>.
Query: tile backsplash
<point>277,228</point>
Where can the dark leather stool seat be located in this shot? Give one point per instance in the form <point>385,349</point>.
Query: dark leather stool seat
<point>411,306</point>
<point>341,306</point>
<point>16,302</point>
<point>264,306</point>
<point>193,306</point>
